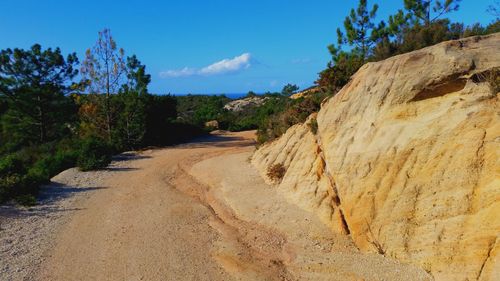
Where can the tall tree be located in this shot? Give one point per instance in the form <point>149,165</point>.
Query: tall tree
<point>104,72</point>
<point>358,28</point>
<point>289,89</point>
<point>360,34</point>
<point>420,10</point>
<point>137,78</point>
<point>34,84</point>
<point>131,102</point>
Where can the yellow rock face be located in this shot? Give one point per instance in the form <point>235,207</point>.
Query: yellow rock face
<point>406,160</point>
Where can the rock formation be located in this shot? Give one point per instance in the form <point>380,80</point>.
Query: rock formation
<point>406,159</point>
<point>213,124</point>
<point>242,104</point>
<point>306,93</point>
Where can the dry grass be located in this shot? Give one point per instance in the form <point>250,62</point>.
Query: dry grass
<point>492,77</point>
<point>276,172</point>
<point>371,239</point>
<point>494,80</point>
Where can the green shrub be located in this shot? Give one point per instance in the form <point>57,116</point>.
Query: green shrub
<point>11,164</point>
<point>198,109</point>
<point>50,165</point>
<point>313,125</point>
<point>14,181</point>
<point>8,184</point>
<point>293,112</point>
<point>94,154</point>
<point>26,199</point>
<point>22,172</point>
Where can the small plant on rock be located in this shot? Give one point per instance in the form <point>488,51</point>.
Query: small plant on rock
<point>494,80</point>
<point>276,172</point>
<point>492,77</point>
<point>313,125</point>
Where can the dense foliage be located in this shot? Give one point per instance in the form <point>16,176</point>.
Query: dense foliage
<point>22,171</point>
<point>34,85</point>
<point>289,113</point>
<point>198,109</point>
<point>93,154</point>
<point>50,122</point>
<point>420,24</point>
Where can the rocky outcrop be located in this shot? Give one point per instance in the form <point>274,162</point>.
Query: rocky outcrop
<point>242,104</point>
<point>306,93</point>
<point>213,124</point>
<point>406,159</point>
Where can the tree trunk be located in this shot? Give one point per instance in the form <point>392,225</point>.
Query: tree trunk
<point>108,102</point>
<point>108,116</point>
<point>41,121</point>
<point>428,13</point>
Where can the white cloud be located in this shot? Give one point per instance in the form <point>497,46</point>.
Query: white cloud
<point>228,65</point>
<point>224,66</point>
<point>186,71</point>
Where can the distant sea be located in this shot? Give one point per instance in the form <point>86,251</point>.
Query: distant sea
<point>236,95</point>
<point>231,95</point>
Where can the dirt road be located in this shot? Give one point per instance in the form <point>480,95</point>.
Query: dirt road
<point>140,226</point>
<point>198,211</point>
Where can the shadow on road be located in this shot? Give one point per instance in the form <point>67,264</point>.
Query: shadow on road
<point>131,155</point>
<point>48,201</point>
<point>218,140</point>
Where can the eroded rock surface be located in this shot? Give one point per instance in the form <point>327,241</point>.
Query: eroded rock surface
<point>406,160</point>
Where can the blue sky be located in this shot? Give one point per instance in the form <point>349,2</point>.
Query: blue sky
<point>216,46</point>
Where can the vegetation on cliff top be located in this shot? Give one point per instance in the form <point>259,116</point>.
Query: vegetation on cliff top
<point>420,24</point>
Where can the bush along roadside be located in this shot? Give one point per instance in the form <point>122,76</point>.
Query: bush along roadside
<point>23,171</point>
<point>93,154</point>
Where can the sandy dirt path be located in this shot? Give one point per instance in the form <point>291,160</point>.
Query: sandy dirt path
<point>140,226</point>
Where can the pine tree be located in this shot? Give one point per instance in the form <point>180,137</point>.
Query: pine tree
<point>131,102</point>
<point>360,34</point>
<point>358,28</point>
<point>34,85</point>
<point>420,10</point>
<point>137,78</point>
<point>289,89</point>
<point>104,72</point>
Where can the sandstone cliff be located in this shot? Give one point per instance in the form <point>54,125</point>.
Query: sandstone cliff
<point>406,159</point>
